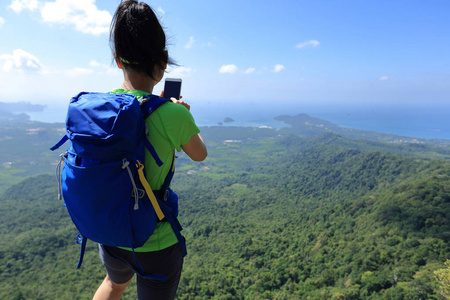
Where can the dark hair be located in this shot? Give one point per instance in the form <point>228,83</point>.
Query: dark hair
<point>137,38</point>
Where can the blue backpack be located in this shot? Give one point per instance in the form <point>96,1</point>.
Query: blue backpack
<point>102,180</point>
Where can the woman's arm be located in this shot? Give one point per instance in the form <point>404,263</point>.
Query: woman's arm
<point>195,148</point>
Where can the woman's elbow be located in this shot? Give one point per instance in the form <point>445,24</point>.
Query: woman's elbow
<point>200,156</point>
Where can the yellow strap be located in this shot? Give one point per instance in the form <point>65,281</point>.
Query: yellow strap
<point>149,191</point>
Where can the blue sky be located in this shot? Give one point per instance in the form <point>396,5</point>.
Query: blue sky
<point>257,51</point>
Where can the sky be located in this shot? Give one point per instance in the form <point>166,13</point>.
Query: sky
<point>234,51</point>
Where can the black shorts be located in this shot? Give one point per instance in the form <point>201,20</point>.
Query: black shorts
<point>167,262</point>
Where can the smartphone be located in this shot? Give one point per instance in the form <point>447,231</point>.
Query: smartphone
<point>172,88</point>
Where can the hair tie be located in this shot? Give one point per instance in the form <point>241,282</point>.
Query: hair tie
<point>128,62</point>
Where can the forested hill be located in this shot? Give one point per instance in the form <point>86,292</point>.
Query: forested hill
<point>304,125</point>
<point>24,144</point>
<point>265,218</point>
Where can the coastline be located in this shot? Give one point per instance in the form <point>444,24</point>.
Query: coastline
<point>418,121</point>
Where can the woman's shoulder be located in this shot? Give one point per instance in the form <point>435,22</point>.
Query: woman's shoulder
<point>174,110</point>
<point>171,116</point>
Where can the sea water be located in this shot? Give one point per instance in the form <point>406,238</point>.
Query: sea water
<point>429,121</point>
<point>415,120</point>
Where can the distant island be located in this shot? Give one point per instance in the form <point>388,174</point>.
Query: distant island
<point>20,107</point>
<point>228,120</point>
<point>307,126</point>
<point>6,115</point>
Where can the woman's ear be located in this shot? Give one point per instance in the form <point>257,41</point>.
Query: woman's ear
<point>118,61</point>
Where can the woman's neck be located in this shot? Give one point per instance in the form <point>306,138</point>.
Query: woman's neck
<point>138,81</point>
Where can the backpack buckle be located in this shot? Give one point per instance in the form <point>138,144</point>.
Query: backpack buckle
<point>166,195</point>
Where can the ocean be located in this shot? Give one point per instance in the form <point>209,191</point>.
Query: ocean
<point>430,121</point>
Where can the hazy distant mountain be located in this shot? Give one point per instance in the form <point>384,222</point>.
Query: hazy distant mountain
<point>307,126</point>
<point>22,106</point>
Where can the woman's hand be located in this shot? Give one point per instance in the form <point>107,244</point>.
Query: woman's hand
<point>181,102</point>
<point>174,100</point>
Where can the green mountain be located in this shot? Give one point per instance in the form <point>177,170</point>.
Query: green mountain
<point>24,144</point>
<point>266,216</point>
<point>307,126</point>
<point>24,148</point>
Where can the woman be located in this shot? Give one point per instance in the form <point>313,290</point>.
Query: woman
<point>139,48</point>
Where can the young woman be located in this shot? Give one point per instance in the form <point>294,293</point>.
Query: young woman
<point>139,48</point>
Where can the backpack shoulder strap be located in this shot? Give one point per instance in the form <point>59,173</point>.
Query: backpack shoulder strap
<point>165,188</point>
<point>151,103</point>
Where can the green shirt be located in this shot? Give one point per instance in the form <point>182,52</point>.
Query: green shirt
<point>170,126</point>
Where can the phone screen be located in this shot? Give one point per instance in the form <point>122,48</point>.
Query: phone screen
<point>172,88</point>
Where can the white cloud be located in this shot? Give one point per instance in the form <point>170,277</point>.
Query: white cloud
<point>2,22</point>
<point>160,10</point>
<point>278,68</point>
<point>231,69</point>
<point>104,69</point>
<point>250,71</point>
<point>310,43</point>
<point>83,14</point>
<point>190,43</point>
<point>94,63</point>
<point>21,61</point>
<point>111,71</point>
<point>19,5</point>
<point>180,71</point>
<point>78,72</point>
<point>384,77</point>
